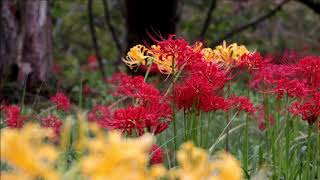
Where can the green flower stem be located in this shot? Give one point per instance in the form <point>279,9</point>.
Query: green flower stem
<point>309,151</point>
<point>148,71</point>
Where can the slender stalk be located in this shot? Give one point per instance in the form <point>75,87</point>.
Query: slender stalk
<point>309,151</point>
<point>246,145</point>
<point>228,120</point>
<point>221,134</point>
<point>317,152</point>
<point>147,73</point>
<point>246,139</point>
<point>287,140</point>
<point>173,106</point>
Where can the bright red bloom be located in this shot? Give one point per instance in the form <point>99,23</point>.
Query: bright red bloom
<point>241,103</point>
<point>309,110</point>
<point>213,103</point>
<point>254,61</point>
<point>159,115</point>
<point>211,72</point>
<point>13,117</point>
<point>293,88</point>
<point>52,122</point>
<point>130,119</point>
<point>156,155</point>
<point>134,87</point>
<point>179,49</point>
<point>267,77</point>
<point>61,101</point>
<point>100,114</point>
<point>202,88</point>
<point>140,119</point>
<point>308,68</point>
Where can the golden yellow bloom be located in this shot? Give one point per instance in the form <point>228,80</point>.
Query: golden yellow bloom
<point>116,158</point>
<point>25,150</point>
<point>195,164</point>
<point>163,61</point>
<point>138,55</point>
<point>227,166</point>
<point>197,46</point>
<point>207,54</point>
<point>229,54</point>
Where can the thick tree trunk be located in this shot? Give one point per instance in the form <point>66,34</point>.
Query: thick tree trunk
<point>27,40</point>
<point>155,17</point>
<point>8,38</point>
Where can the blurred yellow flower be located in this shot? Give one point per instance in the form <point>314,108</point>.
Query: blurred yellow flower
<point>25,150</point>
<point>197,47</point>
<point>138,55</point>
<point>207,54</point>
<point>229,54</point>
<point>227,166</point>
<point>195,164</point>
<point>116,158</point>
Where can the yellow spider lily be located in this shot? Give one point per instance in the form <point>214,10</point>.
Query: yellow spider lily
<point>229,54</point>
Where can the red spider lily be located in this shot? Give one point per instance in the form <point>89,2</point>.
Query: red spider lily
<point>134,87</point>
<point>202,88</point>
<point>179,49</point>
<point>129,119</point>
<point>308,68</point>
<point>61,101</point>
<point>241,103</point>
<point>189,92</point>
<point>215,76</point>
<point>140,119</point>
<point>13,117</point>
<point>156,155</point>
<point>253,61</point>
<point>196,92</point>
<point>309,110</point>
<point>267,77</point>
<point>52,122</point>
<point>159,115</point>
<point>214,103</point>
<point>293,88</point>
<point>100,114</point>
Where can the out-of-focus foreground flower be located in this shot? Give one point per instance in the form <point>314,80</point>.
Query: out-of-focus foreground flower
<point>195,164</point>
<point>112,157</point>
<point>115,157</point>
<point>25,151</point>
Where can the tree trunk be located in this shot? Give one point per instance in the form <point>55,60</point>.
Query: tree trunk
<point>8,38</point>
<point>154,17</point>
<point>27,40</point>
